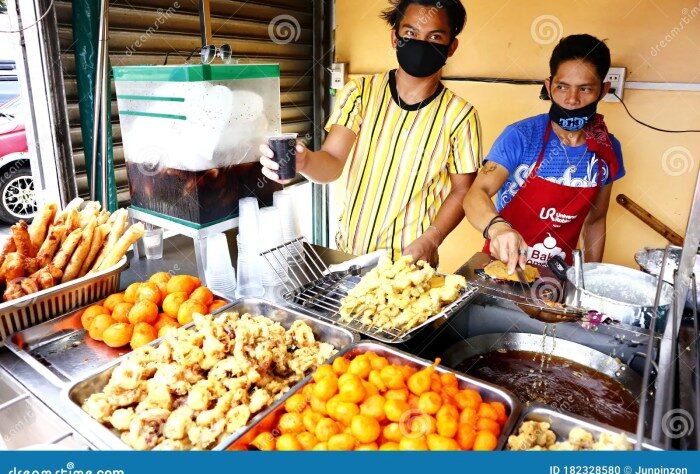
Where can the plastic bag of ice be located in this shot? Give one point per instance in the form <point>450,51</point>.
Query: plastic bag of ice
<point>223,128</point>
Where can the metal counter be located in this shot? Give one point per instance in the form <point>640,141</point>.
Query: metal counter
<point>27,393</point>
<point>484,315</point>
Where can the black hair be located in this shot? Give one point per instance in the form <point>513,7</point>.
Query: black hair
<point>456,14</point>
<point>583,47</point>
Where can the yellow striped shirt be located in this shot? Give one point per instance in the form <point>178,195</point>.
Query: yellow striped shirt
<point>401,163</point>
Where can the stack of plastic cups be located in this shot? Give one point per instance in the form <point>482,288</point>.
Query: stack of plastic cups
<point>250,264</point>
<point>283,200</point>
<point>221,277</point>
<point>270,237</point>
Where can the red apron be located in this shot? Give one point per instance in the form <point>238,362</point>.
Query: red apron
<point>549,216</point>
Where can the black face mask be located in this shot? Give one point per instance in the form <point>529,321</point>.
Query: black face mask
<point>573,120</point>
<point>420,58</point>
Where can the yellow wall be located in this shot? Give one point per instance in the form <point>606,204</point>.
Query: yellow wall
<point>514,39</point>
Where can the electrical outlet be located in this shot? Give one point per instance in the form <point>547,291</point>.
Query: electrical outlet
<point>338,75</point>
<point>616,77</point>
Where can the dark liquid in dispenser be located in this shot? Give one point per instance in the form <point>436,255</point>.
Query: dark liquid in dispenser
<point>200,197</point>
<point>562,384</point>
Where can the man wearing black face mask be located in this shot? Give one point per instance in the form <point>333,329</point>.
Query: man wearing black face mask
<point>414,146</point>
<point>552,173</point>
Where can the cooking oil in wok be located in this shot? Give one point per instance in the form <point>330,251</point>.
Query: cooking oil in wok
<point>559,383</point>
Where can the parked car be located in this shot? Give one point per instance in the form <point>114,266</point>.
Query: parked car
<point>17,195</point>
<point>9,84</point>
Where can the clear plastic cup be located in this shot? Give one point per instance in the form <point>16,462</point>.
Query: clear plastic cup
<point>270,237</point>
<point>220,274</point>
<point>284,201</point>
<point>283,147</point>
<point>153,243</point>
<point>249,268</point>
<point>269,228</point>
<point>248,210</point>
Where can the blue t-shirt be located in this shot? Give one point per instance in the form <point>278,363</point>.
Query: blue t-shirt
<point>518,147</point>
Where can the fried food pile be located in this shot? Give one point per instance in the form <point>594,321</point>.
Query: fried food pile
<point>201,385</point>
<point>61,246</point>
<point>147,310</point>
<point>366,402</point>
<point>537,436</point>
<point>400,295</point>
<point>499,271</point>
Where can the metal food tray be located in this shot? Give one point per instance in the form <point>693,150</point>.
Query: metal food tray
<point>29,310</point>
<point>268,419</point>
<point>78,392</point>
<point>323,300</point>
<point>562,423</point>
<point>61,350</point>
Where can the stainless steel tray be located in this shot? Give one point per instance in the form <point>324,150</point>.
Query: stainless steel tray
<point>60,349</point>
<point>324,302</point>
<point>267,420</point>
<point>43,305</point>
<point>562,423</point>
<point>78,392</point>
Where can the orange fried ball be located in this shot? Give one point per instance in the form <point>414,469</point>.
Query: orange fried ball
<point>144,311</point>
<point>216,304</point>
<point>160,277</point>
<point>118,334</point>
<point>172,302</point>
<point>121,312</point>
<point>149,291</point>
<point>99,325</point>
<point>187,309</point>
<point>184,283</point>
<point>365,428</point>
<point>112,300</point>
<point>130,293</point>
<point>485,441</point>
<point>265,441</point>
<point>143,334</point>
<point>203,295</point>
<point>95,310</point>
<point>164,321</point>
<point>89,314</point>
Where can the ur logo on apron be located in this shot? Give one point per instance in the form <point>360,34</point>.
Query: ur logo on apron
<point>548,215</point>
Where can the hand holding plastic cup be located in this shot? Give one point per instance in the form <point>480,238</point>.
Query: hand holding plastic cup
<point>282,157</point>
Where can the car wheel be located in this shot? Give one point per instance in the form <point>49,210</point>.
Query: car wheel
<point>17,196</point>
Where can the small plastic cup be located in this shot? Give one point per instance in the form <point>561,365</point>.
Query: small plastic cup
<point>284,147</point>
<point>153,243</point>
<point>249,271</point>
<point>221,276</point>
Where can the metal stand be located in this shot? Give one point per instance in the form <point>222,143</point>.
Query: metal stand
<point>665,413</point>
<point>102,111</point>
<point>199,236</point>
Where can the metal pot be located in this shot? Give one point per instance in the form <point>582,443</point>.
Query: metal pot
<point>620,293</point>
<point>649,260</point>
<point>596,360</point>
<point>623,294</point>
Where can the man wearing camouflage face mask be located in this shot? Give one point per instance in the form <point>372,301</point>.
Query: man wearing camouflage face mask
<point>413,145</point>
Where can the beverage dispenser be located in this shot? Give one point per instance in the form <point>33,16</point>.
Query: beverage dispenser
<point>191,135</point>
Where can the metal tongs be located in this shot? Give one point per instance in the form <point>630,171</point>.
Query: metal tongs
<point>335,274</point>
<point>533,299</point>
